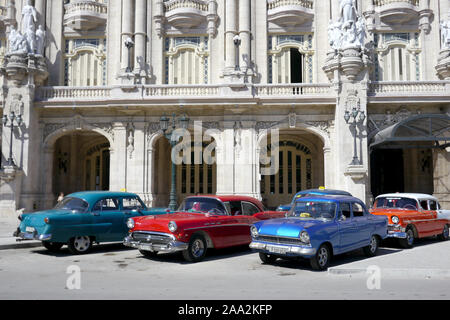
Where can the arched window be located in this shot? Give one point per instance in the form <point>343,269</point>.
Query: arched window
<point>397,57</point>
<point>85,62</point>
<point>290,59</point>
<point>187,60</point>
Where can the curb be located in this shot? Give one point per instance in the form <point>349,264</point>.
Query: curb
<point>391,272</point>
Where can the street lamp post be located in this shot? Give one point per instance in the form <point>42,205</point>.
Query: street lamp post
<point>354,114</point>
<point>19,121</point>
<point>237,43</point>
<point>129,44</point>
<point>164,124</point>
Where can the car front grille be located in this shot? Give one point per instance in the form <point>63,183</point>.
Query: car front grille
<point>279,240</point>
<point>153,238</point>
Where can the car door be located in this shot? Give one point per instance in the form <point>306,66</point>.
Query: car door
<point>362,224</point>
<point>426,220</point>
<point>107,220</point>
<point>347,228</point>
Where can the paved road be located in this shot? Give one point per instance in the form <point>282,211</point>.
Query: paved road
<point>112,271</point>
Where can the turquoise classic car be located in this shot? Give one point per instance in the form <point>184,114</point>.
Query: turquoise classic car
<point>83,218</point>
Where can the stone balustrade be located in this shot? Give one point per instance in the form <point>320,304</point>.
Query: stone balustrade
<point>85,14</point>
<point>274,4</point>
<point>379,3</point>
<point>319,91</point>
<point>409,87</point>
<point>193,4</point>
<point>72,93</point>
<point>293,89</point>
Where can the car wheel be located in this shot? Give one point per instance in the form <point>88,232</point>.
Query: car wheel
<point>445,234</point>
<point>196,250</point>
<point>408,242</point>
<point>267,258</point>
<point>148,254</point>
<point>321,260</point>
<point>372,249</point>
<point>80,245</point>
<point>52,246</point>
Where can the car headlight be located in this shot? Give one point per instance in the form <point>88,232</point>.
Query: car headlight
<point>130,223</point>
<point>254,231</point>
<point>395,219</point>
<point>304,237</point>
<point>172,226</point>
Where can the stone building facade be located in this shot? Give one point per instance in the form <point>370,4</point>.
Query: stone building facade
<point>357,92</point>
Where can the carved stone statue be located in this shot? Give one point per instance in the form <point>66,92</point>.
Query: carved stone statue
<point>445,34</point>
<point>347,10</point>
<point>361,31</point>
<point>40,40</point>
<point>29,17</point>
<point>335,34</point>
<point>16,42</point>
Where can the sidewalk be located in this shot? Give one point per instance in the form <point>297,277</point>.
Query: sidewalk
<point>7,226</point>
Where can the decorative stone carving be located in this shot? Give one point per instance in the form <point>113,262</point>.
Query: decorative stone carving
<point>347,41</point>
<point>130,140</point>
<point>40,40</point>
<point>443,65</point>
<point>265,125</point>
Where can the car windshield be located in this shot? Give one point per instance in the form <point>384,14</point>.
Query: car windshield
<point>203,205</point>
<point>313,210</point>
<point>74,204</point>
<point>396,203</point>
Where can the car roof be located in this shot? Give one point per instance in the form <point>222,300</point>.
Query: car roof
<point>416,196</point>
<point>324,191</point>
<point>335,198</point>
<point>91,196</point>
<point>225,198</point>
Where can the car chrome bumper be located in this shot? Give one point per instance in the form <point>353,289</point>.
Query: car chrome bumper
<point>283,250</point>
<point>396,231</point>
<point>397,235</point>
<point>32,236</point>
<point>172,246</point>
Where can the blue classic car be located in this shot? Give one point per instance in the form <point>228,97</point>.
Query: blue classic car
<point>83,218</point>
<point>318,227</point>
<point>303,193</point>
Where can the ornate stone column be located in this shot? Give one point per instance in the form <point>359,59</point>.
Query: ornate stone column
<point>140,37</point>
<point>127,32</point>
<point>245,35</point>
<point>230,32</point>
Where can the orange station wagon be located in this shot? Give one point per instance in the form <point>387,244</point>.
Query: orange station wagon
<point>411,216</point>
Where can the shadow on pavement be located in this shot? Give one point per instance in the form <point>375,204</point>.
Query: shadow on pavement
<point>211,255</point>
<point>107,249</point>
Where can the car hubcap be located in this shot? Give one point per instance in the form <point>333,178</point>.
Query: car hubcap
<point>323,257</point>
<point>82,243</point>
<point>410,237</point>
<point>198,248</point>
<point>373,245</point>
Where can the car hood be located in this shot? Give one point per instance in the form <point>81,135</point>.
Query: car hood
<point>287,227</point>
<point>160,222</point>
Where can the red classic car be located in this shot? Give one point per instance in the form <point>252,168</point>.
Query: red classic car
<point>200,223</point>
<point>412,216</point>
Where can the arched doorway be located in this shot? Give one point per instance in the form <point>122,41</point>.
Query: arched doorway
<point>81,161</point>
<point>410,156</point>
<point>301,166</point>
<point>192,177</point>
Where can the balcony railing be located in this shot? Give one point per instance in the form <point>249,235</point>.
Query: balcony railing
<point>274,4</point>
<point>290,12</point>
<point>85,14</point>
<point>379,3</point>
<point>193,4</point>
<point>409,87</point>
<point>309,92</point>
